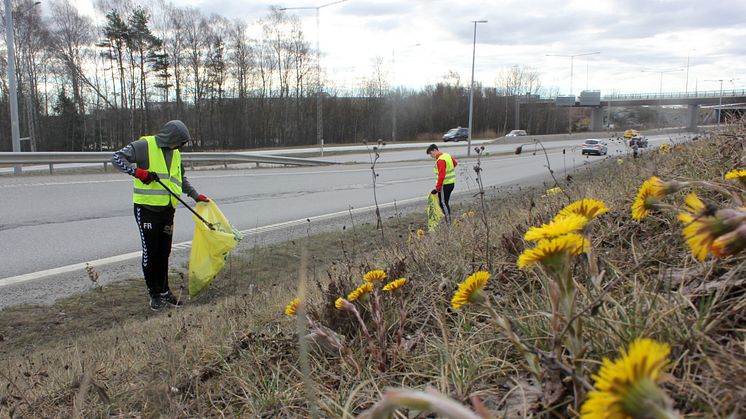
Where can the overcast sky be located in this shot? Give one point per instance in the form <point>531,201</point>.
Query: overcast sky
<point>637,39</point>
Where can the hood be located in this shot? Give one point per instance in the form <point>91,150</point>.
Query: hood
<point>173,133</point>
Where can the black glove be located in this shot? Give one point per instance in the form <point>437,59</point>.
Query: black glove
<point>152,177</point>
<point>146,176</point>
<point>434,192</point>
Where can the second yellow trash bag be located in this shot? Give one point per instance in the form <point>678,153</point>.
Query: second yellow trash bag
<point>210,248</point>
<point>434,212</point>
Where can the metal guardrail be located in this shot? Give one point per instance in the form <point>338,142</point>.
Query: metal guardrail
<point>104,157</point>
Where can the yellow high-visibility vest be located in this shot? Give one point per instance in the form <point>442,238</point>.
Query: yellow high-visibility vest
<point>450,171</point>
<point>154,194</point>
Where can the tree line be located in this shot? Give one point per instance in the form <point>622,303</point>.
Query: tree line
<point>88,86</point>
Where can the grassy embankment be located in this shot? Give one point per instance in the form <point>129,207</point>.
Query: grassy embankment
<point>235,353</point>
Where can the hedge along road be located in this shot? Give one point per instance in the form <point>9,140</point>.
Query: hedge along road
<point>52,225</point>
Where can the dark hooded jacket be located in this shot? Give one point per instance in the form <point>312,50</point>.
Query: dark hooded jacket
<point>135,154</point>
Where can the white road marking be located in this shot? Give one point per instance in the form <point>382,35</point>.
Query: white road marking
<point>186,245</point>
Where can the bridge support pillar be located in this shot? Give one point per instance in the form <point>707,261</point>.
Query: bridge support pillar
<point>597,118</point>
<point>692,117</point>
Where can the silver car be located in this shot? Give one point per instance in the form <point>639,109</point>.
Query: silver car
<point>594,147</point>
<point>516,133</point>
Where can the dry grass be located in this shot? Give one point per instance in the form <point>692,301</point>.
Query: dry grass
<point>237,355</point>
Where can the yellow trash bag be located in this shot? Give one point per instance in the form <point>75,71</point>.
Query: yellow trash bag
<point>210,247</point>
<point>434,212</point>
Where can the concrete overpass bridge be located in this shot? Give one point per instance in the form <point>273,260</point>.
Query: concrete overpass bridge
<point>723,101</point>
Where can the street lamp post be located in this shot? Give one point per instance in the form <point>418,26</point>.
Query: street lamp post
<point>319,111</point>
<point>686,85</point>
<point>660,89</point>
<point>13,94</point>
<point>572,70</point>
<point>471,90</point>
<point>12,87</point>
<point>394,90</point>
<point>572,63</point>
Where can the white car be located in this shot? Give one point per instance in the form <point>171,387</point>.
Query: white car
<point>594,147</point>
<point>516,133</point>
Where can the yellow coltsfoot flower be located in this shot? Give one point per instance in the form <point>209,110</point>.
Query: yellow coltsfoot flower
<point>737,174</point>
<point>375,276</point>
<point>552,252</point>
<point>730,243</point>
<point>648,196</point>
<point>341,303</point>
<point>395,284</point>
<point>693,205</point>
<point>627,387</point>
<point>568,224</point>
<point>703,226</point>
<point>470,290</point>
<point>553,191</point>
<point>588,208</point>
<point>292,308</point>
<point>361,292</point>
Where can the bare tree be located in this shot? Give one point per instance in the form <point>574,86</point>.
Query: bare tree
<point>518,80</point>
<point>195,28</point>
<point>69,33</point>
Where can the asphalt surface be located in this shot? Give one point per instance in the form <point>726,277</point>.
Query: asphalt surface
<point>52,225</point>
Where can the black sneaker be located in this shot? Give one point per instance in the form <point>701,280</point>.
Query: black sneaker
<point>169,298</point>
<point>156,303</point>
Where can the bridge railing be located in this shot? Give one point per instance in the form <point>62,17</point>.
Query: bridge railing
<point>677,95</point>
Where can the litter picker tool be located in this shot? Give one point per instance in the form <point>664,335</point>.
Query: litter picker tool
<point>185,204</point>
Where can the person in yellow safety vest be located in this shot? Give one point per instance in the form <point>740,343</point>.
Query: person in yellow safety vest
<point>152,161</point>
<point>445,169</point>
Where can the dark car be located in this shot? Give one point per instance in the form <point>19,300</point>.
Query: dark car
<point>640,142</point>
<point>456,134</point>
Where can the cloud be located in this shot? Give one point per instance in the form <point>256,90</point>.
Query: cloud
<point>630,34</point>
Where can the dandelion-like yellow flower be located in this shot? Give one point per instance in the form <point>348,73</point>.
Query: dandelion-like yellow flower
<point>665,149</point>
<point>697,229</point>
<point>292,308</point>
<point>738,174</point>
<point>558,227</point>
<point>470,291</point>
<point>360,292</point>
<point>650,192</point>
<point>395,284</point>
<point>420,233</point>
<point>588,208</point>
<point>553,191</point>
<point>340,303</point>
<point>693,205</point>
<point>626,388</point>
<point>730,243</point>
<point>375,276</point>
<point>550,251</point>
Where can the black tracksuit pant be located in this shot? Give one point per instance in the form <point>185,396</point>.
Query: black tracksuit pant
<point>444,196</point>
<point>156,233</point>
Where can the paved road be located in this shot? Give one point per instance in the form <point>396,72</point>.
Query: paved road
<point>50,222</point>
